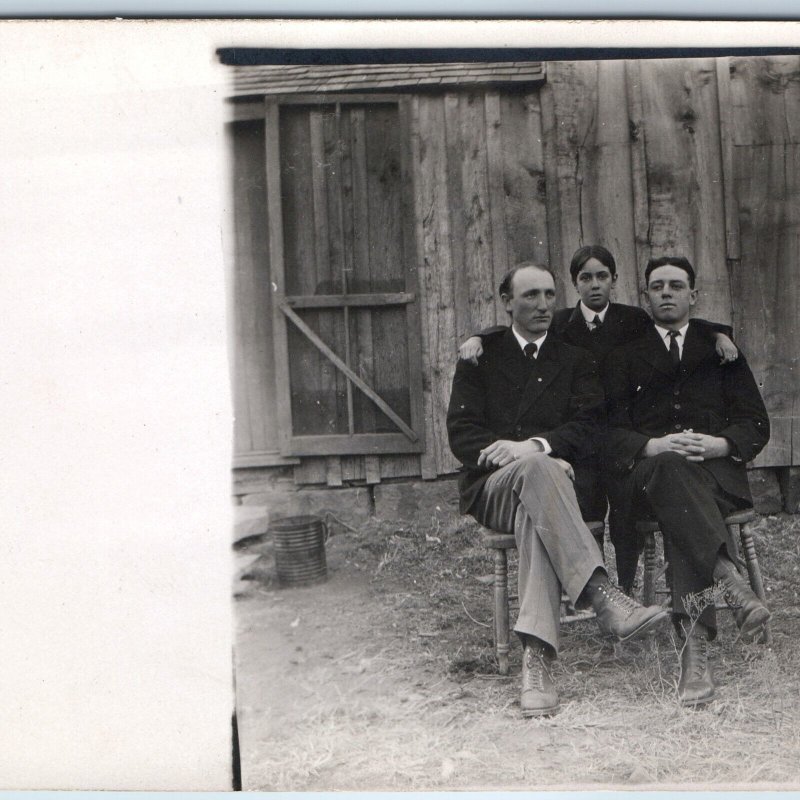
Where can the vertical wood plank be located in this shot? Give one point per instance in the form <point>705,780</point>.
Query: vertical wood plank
<point>437,269</point>
<point>641,209</point>
<point>552,187</point>
<point>275,226</point>
<point>372,469</point>
<point>332,384</point>
<point>766,287</point>
<point>684,168</point>
<point>409,268</point>
<point>255,426</point>
<point>480,304</point>
<point>725,100</point>
<point>501,261</point>
<point>574,88</point>
<point>333,471</point>
<point>452,158</point>
<point>765,96</point>
<point>608,199</point>
<point>524,181</point>
<point>424,281</point>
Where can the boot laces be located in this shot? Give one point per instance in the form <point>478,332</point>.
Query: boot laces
<point>698,664</point>
<point>732,594</point>
<point>619,598</point>
<point>536,665</point>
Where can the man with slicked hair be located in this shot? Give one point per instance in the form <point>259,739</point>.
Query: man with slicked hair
<point>517,420</point>
<point>681,427</point>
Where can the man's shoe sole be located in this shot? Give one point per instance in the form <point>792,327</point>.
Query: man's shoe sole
<point>540,712</point>
<point>753,625</point>
<point>698,702</point>
<point>663,615</point>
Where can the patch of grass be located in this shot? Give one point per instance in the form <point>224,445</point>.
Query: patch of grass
<point>442,718</point>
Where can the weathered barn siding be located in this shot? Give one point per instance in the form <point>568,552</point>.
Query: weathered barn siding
<point>697,157</point>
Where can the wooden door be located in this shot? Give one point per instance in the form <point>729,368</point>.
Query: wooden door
<point>344,276</point>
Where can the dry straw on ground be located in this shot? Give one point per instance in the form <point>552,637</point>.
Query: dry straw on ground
<point>387,681</point>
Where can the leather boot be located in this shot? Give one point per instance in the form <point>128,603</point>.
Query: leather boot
<point>696,686</point>
<point>539,697</point>
<point>750,613</point>
<point>621,615</point>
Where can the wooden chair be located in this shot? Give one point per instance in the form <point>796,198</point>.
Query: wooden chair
<point>738,525</point>
<point>500,544</point>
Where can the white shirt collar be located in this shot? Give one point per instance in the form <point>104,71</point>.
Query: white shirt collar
<point>664,334</point>
<point>589,315</point>
<point>522,342</point>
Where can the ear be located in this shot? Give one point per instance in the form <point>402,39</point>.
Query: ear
<point>693,296</point>
<point>646,298</point>
<point>506,298</point>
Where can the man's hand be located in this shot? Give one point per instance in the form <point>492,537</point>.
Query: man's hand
<point>504,451</point>
<point>726,349</point>
<point>692,446</point>
<point>567,467</point>
<point>471,350</point>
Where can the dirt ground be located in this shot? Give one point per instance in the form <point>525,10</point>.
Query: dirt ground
<point>383,678</point>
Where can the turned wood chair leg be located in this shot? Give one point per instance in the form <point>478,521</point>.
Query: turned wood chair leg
<point>501,638</point>
<point>754,572</point>
<point>650,570</point>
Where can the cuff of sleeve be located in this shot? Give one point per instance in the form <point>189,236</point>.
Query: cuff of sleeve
<point>544,443</point>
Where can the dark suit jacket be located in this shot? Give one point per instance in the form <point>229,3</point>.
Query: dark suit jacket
<point>647,398</point>
<point>558,397</point>
<point>622,324</point>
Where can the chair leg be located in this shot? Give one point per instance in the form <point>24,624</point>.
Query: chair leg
<point>650,570</point>
<point>501,642</point>
<point>754,572</point>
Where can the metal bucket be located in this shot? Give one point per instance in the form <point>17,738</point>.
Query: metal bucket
<point>299,550</point>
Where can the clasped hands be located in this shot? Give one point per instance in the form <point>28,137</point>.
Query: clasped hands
<point>506,451</point>
<point>692,446</point>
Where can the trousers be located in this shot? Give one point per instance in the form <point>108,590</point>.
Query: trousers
<point>534,498</point>
<point>690,507</point>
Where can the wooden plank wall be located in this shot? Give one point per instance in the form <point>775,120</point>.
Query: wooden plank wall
<point>763,128</point>
<point>697,157</point>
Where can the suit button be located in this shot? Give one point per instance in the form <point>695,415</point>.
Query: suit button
<point>539,379</point>
<point>677,426</point>
<point>518,429</point>
<point>677,406</point>
<point>676,392</point>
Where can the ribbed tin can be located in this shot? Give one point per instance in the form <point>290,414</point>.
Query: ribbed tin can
<point>299,550</point>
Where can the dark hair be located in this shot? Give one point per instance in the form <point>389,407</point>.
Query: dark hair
<point>583,254</point>
<point>507,282</point>
<point>669,261</point>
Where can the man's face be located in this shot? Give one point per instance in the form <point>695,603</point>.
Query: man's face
<point>594,283</point>
<point>531,301</point>
<point>669,297</point>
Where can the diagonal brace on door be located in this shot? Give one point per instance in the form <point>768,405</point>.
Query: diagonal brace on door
<point>351,376</point>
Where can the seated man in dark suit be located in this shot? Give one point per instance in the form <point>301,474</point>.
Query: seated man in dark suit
<point>680,428</point>
<point>598,325</point>
<point>516,419</point>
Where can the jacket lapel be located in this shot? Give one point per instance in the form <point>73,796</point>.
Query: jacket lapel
<point>511,362</point>
<point>577,332</point>
<point>544,371</point>
<point>651,348</point>
<point>695,351</point>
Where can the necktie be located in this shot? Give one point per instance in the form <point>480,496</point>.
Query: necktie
<point>530,351</point>
<point>597,322</point>
<point>674,352</point>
